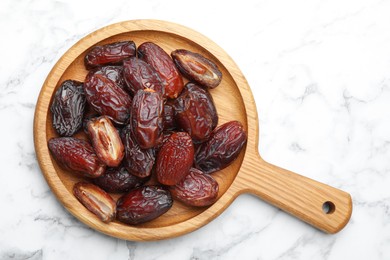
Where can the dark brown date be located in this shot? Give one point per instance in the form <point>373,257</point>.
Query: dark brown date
<point>169,116</point>
<point>195,112</point>
<point>147,117</point>
<point>140,75</point>
<point>106,98</point>
<point>112,53</point>
<point>76,155</point>
<point>113,73</point>
<point>106,141</point>
<point>137,161</point>
<point>198,68</point>
<point>222,148</point>
<point>196,189</point>
<point>175,158</point>
<point>118,180</point>
<point>143,204</point>
<point>95,200</point>
<point>164,66</point>
<point>68,108</point>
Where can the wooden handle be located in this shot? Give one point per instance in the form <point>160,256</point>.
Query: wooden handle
<point>326,208</point>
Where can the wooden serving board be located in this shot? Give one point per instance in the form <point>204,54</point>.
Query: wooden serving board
<point>300,196</point>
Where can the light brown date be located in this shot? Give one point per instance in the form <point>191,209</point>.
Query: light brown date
<point>106,141</point>
<point>95,200</point>
<point>198,68</point>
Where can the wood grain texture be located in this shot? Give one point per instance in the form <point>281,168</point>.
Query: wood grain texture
<point>295,194</point>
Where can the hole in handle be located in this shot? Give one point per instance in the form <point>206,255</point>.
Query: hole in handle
<point>328,207</point>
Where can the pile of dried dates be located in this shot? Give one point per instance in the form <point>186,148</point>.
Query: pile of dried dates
<point>141,120</point>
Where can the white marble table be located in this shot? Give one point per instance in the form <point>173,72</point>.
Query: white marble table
<point>320,74</point>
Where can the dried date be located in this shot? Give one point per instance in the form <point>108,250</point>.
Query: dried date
<point>147,117</point>
<point>68,108</point>
<point>118,180</point>
<point>112,53</point>
<point>196,189</point>
<point>113,73</point>
<point>86,120</point>
<point>137,161</point>
<point>76,155</point>
<point>164,137</point>
<point>169,116</point>
<point>174,158</point>
<point>140,75</point>
<point>195,112</point>
<point>143,204</point>
<point>106,141</point>
<point>106,98</point>
<point>204,96</point>
<point>222,148</point>
<point>164,66</point>
<point>95,200</point>
<point>198,68</point>
<point>131,156</point>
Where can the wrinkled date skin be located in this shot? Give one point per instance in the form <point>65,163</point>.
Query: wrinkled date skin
<point>68,108</point>
<point>106,98</point>
<point>222,148</point>
<point>175,158</point>
<point>106,141</point>
<point>204,96</point>
<point>195,112</point>
<point>95,200</point>
<point>147,117</point>
<point>196,189</point>
<point>76,155</point>
<point>164,137</point>
<point>113,73</point>
<point>164,66</point>
<point>118,180</point>
<point>140,75</point>
<point>112,53</point>
<point>143,204</point>
<point>198,68</point>
<point>137,161</point>
<point>169,116</point>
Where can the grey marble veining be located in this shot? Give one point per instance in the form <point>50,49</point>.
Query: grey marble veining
<point>320,75</point>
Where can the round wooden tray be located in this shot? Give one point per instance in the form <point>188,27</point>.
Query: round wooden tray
<point>300,196</point>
